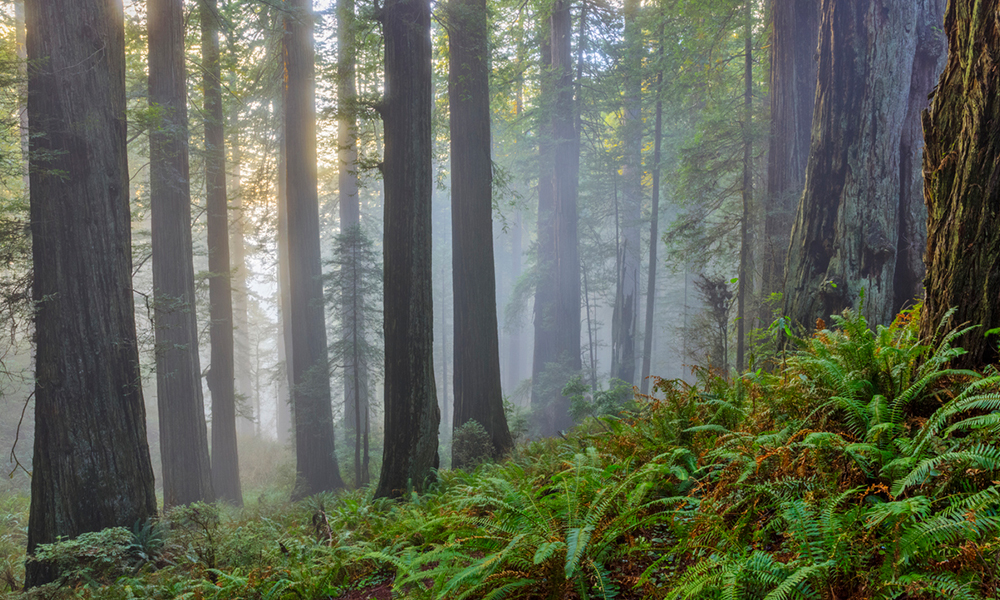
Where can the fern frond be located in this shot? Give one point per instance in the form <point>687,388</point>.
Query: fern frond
<point>795,584</point>
<point>990,421</point>
<point>971,398</point>
<point>944,585</point>
<point>971,518</point>
<point>983,456</point>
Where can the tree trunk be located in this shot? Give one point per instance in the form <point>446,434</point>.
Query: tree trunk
<point>446,417</point>
<point>962,189</point>
<point>591,350</point>
<point>626,312</point>
<point>183,434</point>
<point>478,393</point>
<point>22,91</point>
<point>355,365</point>
<point>566,168</point>
<point>284,422</point>
<point>557,295</point>
<point>221,376</point>
<point>846,238</point>
<point>247,422</point>
<point>794,33</point>
<point>543,352</point>
<point>412,415</point>
<point>316,461</point>
<point>514,337</point>
<point>654,221</point>
<point>747,191</point>
<point>91,466</point>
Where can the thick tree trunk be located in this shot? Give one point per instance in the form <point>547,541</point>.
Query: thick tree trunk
<point>316,461</point>
<point>91,466</point>
<point>566,168</point>
<point>221,376</point>
<point>928,63</point>
<point>962,177</point>
<point>183,433</point>
<point>626,312</point>
<point>412,415</point>
<point>794,33</point>
<point>846,238</point>
<point>478,393</point>
<point>557,295</point>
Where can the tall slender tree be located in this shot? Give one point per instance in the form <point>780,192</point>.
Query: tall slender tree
<point>544,352</point>
<point>412,415</point>
<point>626,312</point>
<point>316,461</point>
<point>355,367</point>
<point>22,92</point>
<point>746,190</point>
<point>91,466</point>
<point>221,376</point>
<point>246,421</point>
<point>851,233</point>
<point>478,393</point>
<point>962,186</point>
<point>183,433</point>
<point>654,221</point>
<point>285,422</point>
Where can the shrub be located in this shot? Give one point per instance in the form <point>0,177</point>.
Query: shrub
<point>471,446</point>
<point>97,557</point>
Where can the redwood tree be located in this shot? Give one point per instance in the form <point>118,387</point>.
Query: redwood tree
<point>962,181</point>
<point>478,394</point>
<point>557,293</point>
<point>794,32</point>
<point>853,231</point>
<point>284,419</point>
<point>183,434</point>
<point>412,415</point>
<point>626,312</point>
<point>316,462</point>
<point>91,466</point>
<point>654,221</point>
<point>353,310</point>
<point>221,377</point>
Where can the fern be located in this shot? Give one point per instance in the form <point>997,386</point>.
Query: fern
<point>970,518</point>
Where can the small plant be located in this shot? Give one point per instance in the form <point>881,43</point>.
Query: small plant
<point>196,529</point>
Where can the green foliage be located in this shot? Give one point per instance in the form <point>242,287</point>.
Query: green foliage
<point>517,419</point>
<point>864,468</point>
<point>471,445</point>
<point>97,557</point>
<point>602,403</point>
<point>548,540</point>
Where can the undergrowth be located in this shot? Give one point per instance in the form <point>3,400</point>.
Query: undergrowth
<point>861,467</point>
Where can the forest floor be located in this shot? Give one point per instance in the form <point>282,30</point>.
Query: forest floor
<point>859,467</point>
